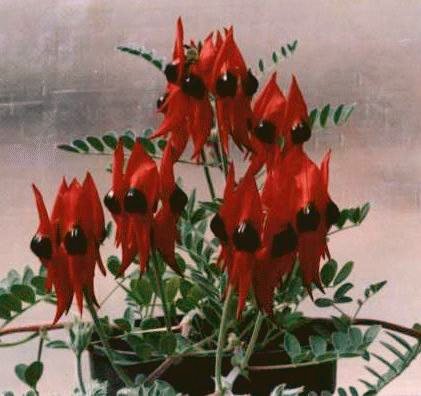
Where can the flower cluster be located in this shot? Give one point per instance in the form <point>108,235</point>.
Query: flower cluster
<point>197,73</point>
<point>67,241</point>
<point>262,234</point>
<point>133,202</point>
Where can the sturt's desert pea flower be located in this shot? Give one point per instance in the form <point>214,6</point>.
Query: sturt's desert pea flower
<point>67,243</point>
<point>186,106</point>
<point>239,232</point>
<point>233,85</point>
<point>268,116</point>
<point>315,211</point>
<point>132,201</point>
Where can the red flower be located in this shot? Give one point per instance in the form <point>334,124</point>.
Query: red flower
<point>132,200</point>
<point>296,129</point>
<point>174,200</point>
<point>233,86</point>
<point>268,113</point>
<point>186,106</point>
<point>68,243</point>
<point>239,231</point>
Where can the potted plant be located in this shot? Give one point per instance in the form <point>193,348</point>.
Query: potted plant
<point>213,288</point>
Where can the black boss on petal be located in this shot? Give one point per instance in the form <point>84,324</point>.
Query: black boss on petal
<point>265,132</point>
<point>41,246</point>
<point>135,202</point>
<point>246,238</point>
<point>217,226</point>
<point>193,86</point>
<point>300,133</point>
<point>171,72</point>
<point>226,85</point>
<point>332,213</point>
<point>178,200</point>
<point>308,219</point>
<point>284,242</point>
<point>75,241</point>
<point>250,84</point>
<point>111,202</point>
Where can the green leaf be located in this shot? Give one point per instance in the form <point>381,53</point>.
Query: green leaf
<point>374,288</point>
<point>168,343</point>
<point>323,302</point>
<point>284,52</point>
<point>28,274</point>
<point>343,273</point>
<point>95,143</point>
<point>162,144</point>
<point>394,350</point>
<point>148,145</point>
<point>356,337</point>
<point>341,392</point>
<point>371,334</point>
<point>128,141</point>
<point>39,283</point>
<point>57,344</point>
<point>81,145</point>
<point>318,345</point>
<point>328,272</point>
<point>142,288</point>
<point>171,287</point>
<point>110,141</point>
<point>337,114</point>
<point>113,264</point>
<point>274,57</point>
<point>353,391</point>
<point>400,340</point>
<point>261,65</point>
<point>385,362</point>
<point>292,345</point>
<point>324,114</point>
<point>31,374</point>
<point>10,302</point>
<point>341,291</point>
<point>375,373</point>
<point>24,293</point>
<point>340,341</point>
<point>364,211</point>
<point>123,324</point>
<point>67,147</point>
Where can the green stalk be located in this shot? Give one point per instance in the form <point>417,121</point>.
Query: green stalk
<point>219,388</point>
<point>79,373</point>
<point>40,346</point>
<point>208,176</point>
<point>19,342</point>
<point>103,337</point>
<point>253,339</point>
<point>161,292</point>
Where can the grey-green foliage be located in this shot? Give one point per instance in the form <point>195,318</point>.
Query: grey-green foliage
<point>284,52</point>
<point>148,55</point>
<point>404,354</point>
<point>18,292</point>
<point>328,115</point>
<point>107,142</point>
<point>157,388</point>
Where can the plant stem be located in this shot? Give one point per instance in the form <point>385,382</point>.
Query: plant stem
<point>107,349</point>
<point>219,388</point>
<point>161,292</point>
<point>343,229</point>
<point>40,345</point>
<point>20,342</point>
<point>79,373</point>
<point>208,176</point>
<point>253,339</point>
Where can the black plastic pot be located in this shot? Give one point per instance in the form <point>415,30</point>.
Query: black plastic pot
<point>193,375</point>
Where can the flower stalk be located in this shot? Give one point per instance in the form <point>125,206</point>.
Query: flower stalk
<point>103,337</point>
<point>219,387</point>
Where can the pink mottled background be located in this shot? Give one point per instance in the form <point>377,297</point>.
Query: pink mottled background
<point>367,52</point>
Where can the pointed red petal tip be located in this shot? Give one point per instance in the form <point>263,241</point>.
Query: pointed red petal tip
<point>44,220</point>
<point>296,103</point>
<point>324,168</point>
<point>178,52</point>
